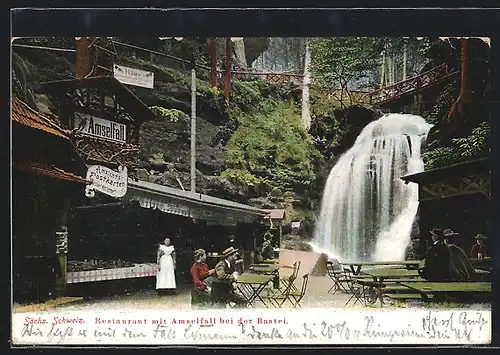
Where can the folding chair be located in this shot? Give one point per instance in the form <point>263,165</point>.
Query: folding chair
<point>290,281</point>
<point>279,297</point>
<point>338,276</point>
<point>355,289</point>
<point>296,296</point>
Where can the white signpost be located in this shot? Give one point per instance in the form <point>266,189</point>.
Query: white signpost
<point>132,76</point>
<point>107,181</point>
<point>100,128</point>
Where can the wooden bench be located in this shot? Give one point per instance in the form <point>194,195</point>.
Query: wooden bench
<point>406,296</point>
<point>395,288</point>
<point>427,288</point>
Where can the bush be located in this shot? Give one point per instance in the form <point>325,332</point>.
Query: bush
<point>474,146</point>
<point>272,146</point>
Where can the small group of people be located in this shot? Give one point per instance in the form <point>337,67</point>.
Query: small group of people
<point>446,261</point>
<point>218,284</point>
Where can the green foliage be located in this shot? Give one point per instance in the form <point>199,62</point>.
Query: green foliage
<point>444,101</point>
<point>172,114</point>
<point>242,176</point>
<point>272,146</point>
<point>245,96</point>
<point>343,61</point>
<point>474,146</point>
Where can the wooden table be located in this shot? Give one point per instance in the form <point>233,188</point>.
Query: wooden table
<point>379,275</point>
<point>268,269</point>
<point>483,264</point>
<point>425,288</point>
<point>251,285</point>
<point>357,265</point>
<point>271,261</point>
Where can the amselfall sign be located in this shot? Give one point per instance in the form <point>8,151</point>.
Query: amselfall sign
<point>100,128</point>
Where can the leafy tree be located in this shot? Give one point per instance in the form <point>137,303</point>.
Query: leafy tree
<point>345,62</point>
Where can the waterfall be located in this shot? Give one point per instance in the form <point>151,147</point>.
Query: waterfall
<point>367,211</point>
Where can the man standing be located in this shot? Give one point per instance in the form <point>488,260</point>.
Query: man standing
<point>267,250</point>
<point>461,268</point>
<point>437,259</point>
<point>222,286</point>
<point>478,250</point>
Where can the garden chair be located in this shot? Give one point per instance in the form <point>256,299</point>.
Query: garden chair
<point>290,281</point>
<point>355,289</point>
<point>279,297</point>
<point>296,296</point>
<point>338,276</point>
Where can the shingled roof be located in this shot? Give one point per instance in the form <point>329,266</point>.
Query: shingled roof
<point>25,115</point>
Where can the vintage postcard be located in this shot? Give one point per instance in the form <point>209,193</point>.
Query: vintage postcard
<point>250,190</point>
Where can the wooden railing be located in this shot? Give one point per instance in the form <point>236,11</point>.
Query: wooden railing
<point>417,83</point>
<point>381,96</point>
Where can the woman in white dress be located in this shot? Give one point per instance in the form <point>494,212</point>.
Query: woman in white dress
<point>165,278</point>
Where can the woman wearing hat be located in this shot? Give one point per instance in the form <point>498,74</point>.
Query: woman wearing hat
<point>222,286</point>
<point>478,250</point>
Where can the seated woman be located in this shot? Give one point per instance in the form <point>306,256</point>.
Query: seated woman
<point>200,273</point>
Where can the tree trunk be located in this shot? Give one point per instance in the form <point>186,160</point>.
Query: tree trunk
<point>458,105</point>
<point>382,73</point>
<point>227,79</point>
<point>285,44</point>
<point>306,115</point>
<point>213,63</point>
<point>388,76</point>
<point>393,69</point>
<point>404,61</point>
<point>298,53</point>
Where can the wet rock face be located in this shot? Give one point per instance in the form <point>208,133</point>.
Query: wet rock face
<point>165,156</point>
<point>413,250</point>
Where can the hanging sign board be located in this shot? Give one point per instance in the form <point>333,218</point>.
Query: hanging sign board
<point>100,128</point>
<point>107,181</point>
<point>132,76</point>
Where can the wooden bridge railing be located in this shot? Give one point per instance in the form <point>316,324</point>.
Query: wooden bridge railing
<point>381,96</point>
<point>417,83</point>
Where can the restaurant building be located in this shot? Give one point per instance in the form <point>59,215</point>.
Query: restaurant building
<point>115,230</point>
<point>457,197</point>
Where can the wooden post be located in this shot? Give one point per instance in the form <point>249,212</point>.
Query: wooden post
<point>85,56</point>
<point>227,79</point>
<point>213,63</point>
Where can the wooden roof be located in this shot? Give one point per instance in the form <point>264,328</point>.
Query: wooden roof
<point>197,198</point>
<point>275,214</point>
<point>50,171</point>
<point>137,109</point>
<point>26,116</point>
<point>456,170</point>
